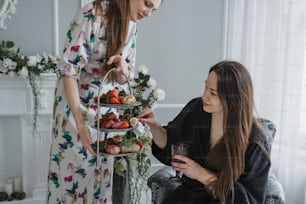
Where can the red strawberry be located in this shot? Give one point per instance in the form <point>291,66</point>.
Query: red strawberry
<point>124,124</point>
<point>96,99</point>
<point>139,143</point>
<point>116,125</point>
<point>113,93</point>
<point>112,116</point>
<point>108,123</point>
<point>114,100</point>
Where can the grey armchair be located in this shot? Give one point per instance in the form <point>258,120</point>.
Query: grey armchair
<point>160,184</point>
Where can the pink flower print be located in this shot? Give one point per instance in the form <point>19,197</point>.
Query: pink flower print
<point>85,86</point>
<point>96,172</point>
<point>82,195</point>
<point>94,107</point>
<point>95,71</point>
<point>68,179</point>
<point>75,48</point>
<point>106,173</point>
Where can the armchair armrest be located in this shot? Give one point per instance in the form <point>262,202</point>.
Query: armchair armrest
<point>161,185</point>
<point>274,191</point>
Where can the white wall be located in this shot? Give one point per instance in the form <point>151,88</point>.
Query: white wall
<point>178,43</point>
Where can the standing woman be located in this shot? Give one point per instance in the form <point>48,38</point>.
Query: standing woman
<point>228,159</point>
<point>102,35</point>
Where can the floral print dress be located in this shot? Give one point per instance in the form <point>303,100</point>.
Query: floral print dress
<point>74,175</point>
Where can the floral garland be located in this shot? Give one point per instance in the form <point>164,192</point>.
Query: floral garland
<point>136,167</point>
<point>13,63</point>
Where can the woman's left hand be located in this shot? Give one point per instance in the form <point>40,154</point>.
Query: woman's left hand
<point>121,67</point>
<point>193,170</point>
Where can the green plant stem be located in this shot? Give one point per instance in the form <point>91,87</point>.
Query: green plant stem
<point>36,94</point>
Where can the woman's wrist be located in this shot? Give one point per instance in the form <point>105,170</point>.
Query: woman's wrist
<point>121,79</point>
<point>207,177</point>
<point>80,124</point>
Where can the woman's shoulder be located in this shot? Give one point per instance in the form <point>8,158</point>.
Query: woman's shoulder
<point>89,10</point>
<point>259,136</point>
<point>194,103</point>
<point>87,7</point>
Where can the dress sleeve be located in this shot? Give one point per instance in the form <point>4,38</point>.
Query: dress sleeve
<point>77,44</point>
<point>250,187</point>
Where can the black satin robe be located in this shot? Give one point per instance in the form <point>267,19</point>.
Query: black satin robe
<point>192,126</point>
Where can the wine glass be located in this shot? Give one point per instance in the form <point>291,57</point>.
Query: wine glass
<point>180,149</point>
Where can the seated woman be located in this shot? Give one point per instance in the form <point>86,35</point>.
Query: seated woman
<point>228,159</point>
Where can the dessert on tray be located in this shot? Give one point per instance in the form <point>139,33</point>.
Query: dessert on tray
<point>119,145</point>
<point>115,96</point>
<point>111,121</point>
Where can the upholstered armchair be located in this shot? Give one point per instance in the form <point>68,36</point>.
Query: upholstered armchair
<point>160,184</point>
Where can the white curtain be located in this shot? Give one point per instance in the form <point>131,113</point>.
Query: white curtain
<point>268,36</point>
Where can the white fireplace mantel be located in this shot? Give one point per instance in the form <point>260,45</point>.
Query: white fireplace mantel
<point>22,153</point>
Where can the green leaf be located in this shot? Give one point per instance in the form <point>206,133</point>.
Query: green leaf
<point>9,44</point>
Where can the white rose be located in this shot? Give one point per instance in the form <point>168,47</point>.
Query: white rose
<point>3,69</point>
<point>133,83</point>
<point>143,69</point>
<point>7,62</point>
<point>152,83</point>
<point>140,130</point>
<point>38,57</point>
<point>159,94</point>
<point>11,74</point>
<point>45,57</point>
<point>24,73</point>
<point>40,67</point>
<point>12,66</point>
<point>32,61</point>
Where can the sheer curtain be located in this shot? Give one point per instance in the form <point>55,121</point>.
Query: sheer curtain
<point>268,36</point>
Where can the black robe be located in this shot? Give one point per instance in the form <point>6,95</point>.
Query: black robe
<point>192,125</point>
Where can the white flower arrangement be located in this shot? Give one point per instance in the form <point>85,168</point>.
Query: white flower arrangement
<point>13,63</point>
<point>136,167</point>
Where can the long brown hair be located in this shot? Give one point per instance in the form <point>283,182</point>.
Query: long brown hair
<point>118,18</point>
<point>235,90</point>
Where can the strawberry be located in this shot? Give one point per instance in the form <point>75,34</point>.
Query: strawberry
<point>117,125</point>
<point>104,99</point>
<point>96,99</point>
<point>124,124</point>
<point>120,98</point>
<point>108,123</point>
<point>114,100</point>
<point>112,116</point>
<point>139,143</point>
<point>113,93</point>
<point>102,120</point>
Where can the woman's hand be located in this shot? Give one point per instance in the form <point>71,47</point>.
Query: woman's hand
<point>159,133</point>
<point>193,170</point>
<point>148,116</point>
<point>86,138</point>
<point>121,67</point>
